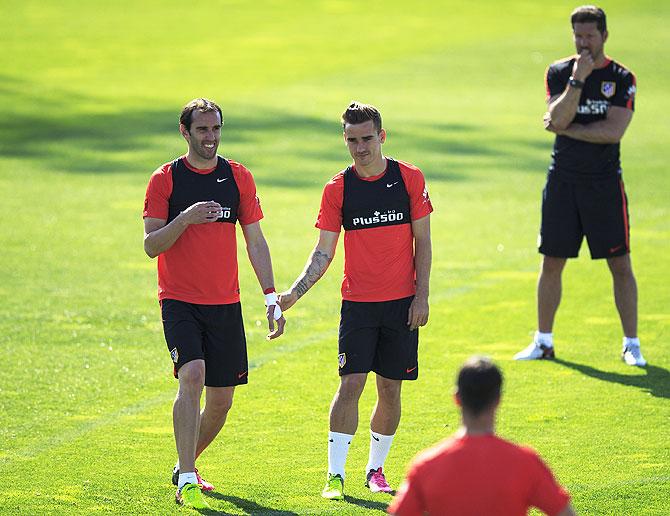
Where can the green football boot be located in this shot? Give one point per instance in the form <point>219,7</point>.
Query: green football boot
<point>334,488</point>
<point>190,495</point>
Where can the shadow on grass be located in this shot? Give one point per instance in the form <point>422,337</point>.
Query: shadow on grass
<point>94,136</point>
<point>253,508</point>
<point>366,504</point>
<point>656,382</point>
<point>460,149</point>
<point>129,141</point>
<point>246,505</point>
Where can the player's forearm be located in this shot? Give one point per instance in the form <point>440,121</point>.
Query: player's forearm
<point>315,268</point>
<point>162,239</point>
<point>563,110</point>
<point>423,257</point>
<point>259,256</point>
<point>596,132</point>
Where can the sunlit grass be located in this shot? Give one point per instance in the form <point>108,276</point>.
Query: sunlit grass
<point>90,95</point>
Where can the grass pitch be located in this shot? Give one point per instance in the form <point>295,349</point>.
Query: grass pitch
<point>90,95</point>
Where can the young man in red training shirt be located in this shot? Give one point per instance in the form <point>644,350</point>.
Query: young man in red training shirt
<point>191,208</point>
<point>475,472</point>
<point>384,208</point>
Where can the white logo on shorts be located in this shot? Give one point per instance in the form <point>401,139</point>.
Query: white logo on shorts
<point>175,355</point>
<point>342,359</point>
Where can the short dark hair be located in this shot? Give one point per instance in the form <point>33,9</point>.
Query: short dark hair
<point>357,113</point>
<point>202,105</point>
<point>589,14</point>
<point>479,384</point>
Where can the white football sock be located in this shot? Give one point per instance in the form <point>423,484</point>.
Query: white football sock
<point>187,478</point>
<point>544,338</point>
<point>633,341</point>
<point>379,449</point>
<point>338,448</point>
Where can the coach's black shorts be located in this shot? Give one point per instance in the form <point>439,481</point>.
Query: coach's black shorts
<point>213,333</point>
<point>595,209</point>
<point>375,337</point>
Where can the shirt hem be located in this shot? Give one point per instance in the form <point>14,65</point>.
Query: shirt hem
<point>583,177</point>
<point>377,299</point>
<point>201,301</point>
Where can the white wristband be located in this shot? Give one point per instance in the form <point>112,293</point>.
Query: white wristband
<point>271,299</point>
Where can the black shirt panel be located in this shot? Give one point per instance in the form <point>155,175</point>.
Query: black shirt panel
<point>189,187</point>
<point>372,204</point>
<point>612,85</point>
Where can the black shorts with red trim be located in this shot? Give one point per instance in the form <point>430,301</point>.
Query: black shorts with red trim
<point>213,333</point>
<point>596,209</point>
<point>374,336</point>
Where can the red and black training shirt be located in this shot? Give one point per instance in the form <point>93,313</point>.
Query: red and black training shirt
<point>201,266</point>
<point>376,213</point>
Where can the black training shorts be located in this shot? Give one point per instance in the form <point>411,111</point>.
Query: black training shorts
<point>595,209</point>
<point>375,337</point>
<point>213,333</point>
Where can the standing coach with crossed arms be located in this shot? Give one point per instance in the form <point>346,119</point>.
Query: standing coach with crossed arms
<point>590,100</point>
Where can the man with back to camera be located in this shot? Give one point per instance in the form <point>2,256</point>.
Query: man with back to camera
<point>476,472</point>
<point>190,210</point>
<point>591,99</point>
<point>384,208</point>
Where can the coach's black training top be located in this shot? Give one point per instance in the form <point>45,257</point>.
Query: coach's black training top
<point>611,85</point>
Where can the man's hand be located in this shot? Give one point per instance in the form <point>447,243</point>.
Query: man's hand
<point>287,299</point>
<point>274,313</point>
<point>583,66</point>
<point>281,322</point>
<point>159,236</point>
<point>202,212</point>
<point>548,125</point>
<point>418,313</point>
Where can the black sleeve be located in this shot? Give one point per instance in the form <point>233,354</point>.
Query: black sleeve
<point>555,81</point>
<point>625,93</point>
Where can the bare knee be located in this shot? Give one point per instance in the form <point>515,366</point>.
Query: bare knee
<point>219,403</point>
<point>351,386</point>
<point>192,377</point>
<point>620,267</point>
<point>388,391</point>
<point>552,266</point>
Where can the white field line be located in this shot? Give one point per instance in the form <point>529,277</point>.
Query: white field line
<point>50,443</point>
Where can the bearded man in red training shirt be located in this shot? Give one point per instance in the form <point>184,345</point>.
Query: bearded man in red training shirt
<point>384,208</point>
<point>191,209</point>
<point>475,472</point>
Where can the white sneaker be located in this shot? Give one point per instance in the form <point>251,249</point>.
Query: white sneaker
<point>632,355</point>
<point>535,351</point>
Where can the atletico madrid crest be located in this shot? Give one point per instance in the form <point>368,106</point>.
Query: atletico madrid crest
<point>342,359</point>
<point>608,88</point>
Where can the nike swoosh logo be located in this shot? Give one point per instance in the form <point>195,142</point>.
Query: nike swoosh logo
<point>375,437</point>
<point>615,249</point>
<point>241,375</point>
<point>410,370</point>
<point>221,180</point>
<point>391,184</point>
